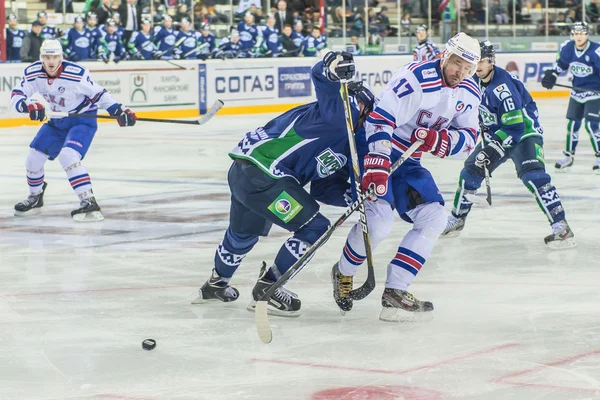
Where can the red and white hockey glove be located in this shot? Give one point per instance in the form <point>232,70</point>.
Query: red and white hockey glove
<point>36,111</point>
<point>377,172</point>
<point>126,117</point>
<point>435,142</point>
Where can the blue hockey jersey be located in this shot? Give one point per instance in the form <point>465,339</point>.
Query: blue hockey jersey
<point>189,44</point>
<point>270,41</point>
<point>248,35</point>
<point>142,44</point>
<point>307,143</point>
<point>49,32</point>
<point>507,109</point>
<point>311,45</point>
<point>165,39</point>
<point>210,40</point>
<point>111,44</point>
<point>585,67</point>
<point>14,42</point>
<point>298,39</point>
<point>78,45</point>
<point>96,35</point>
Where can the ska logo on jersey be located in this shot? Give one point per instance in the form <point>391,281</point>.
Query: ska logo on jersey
<point>580,70</point>
<point>328,162</point>
<point>459,106</point>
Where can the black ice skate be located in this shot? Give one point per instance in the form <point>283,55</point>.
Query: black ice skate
<point>596,167</point>
<point>342,285</point>
<point>216,289</point>
<point>400,305</point>
<point>89,211</point>
<point>562,237</point>
<point>454,226</point>
<point>32,205</point>
<point>566,162</point>
<point>283,303</point>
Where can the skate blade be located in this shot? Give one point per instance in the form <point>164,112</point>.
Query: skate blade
<point>392,314</point>
<point>562,170</point>
<point>94,216</point>
<point>479,200</point>
<point>201,300</point>
<point>596,171</point>
<point>452,234</point>
<point>33,211</point>
<point>562,244</point>
<point>274,311</point>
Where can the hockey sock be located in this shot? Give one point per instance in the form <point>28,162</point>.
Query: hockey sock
<point>593,129</point>
<point>79,179</point>
<point>572,135</point>
<point>467,184</point>
<point>429,222</point>
<point>380,217</point>
<point>231,251</point>
<point>35,170</point>
<point>538,183</point>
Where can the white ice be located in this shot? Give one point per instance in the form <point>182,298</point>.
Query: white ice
<point>513,320</point>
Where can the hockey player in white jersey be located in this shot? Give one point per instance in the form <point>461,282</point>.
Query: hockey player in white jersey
<point>425,50</point>
<point>434,101</point>
<point>66,87</point>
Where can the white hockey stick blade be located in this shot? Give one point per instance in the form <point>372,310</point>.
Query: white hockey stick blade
<point>211,113</point>
<point>262,322</point>
<point>479,200</point>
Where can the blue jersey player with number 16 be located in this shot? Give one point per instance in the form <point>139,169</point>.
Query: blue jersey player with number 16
<point>509,120</point>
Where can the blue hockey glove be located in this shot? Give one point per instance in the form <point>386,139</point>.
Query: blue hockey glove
<point>126,116</point>
<point>339,65</point>
<point>490,154</point>
<point>549,79</point>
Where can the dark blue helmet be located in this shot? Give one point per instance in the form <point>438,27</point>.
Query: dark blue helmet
<point>362,94</point>
<point>580,27</point>
<point>487,49</point>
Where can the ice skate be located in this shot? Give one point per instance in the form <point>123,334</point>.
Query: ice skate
<point>401,306</point>
<point>89,211</point>
<point>596,167</point>
<point>216,288</point>
<point>342,285</point>
<point>566,162</point>
<point>454,226</point>
<point>562,237</point>
<point>32,205</point>
<point>283,303</point>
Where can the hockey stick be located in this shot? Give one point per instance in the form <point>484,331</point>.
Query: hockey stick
<point>177,43</point>
<point>577,88</point>
<point>473,198</point>
<point>201,121</point>
<point>369,285</point>
<point>261,317</point>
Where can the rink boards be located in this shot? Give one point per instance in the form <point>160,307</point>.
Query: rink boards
<point>247,86</point>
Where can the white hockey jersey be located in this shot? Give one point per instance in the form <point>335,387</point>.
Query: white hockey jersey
<point>416,97</point>
<point>72,90</point>
<point>426,51</point>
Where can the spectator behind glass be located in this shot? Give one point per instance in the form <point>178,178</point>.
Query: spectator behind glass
<point>592,11</point>
<point>383,21</point>
<point>257,13</point>
<point>30,51</point>
<point>182,12</point>
<point>405,22</point>
<point>290,49</point>
<point>499,13</point>
<point>283,16</point>
<point>244,6</point>
<point>571,17</point>
<point>104,11</point>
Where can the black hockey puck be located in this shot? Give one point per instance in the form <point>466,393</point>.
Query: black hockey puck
<point>149,344</point>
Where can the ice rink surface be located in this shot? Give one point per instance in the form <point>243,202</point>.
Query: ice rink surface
<point>513,320</point>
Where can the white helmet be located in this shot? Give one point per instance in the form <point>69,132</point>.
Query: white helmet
<point>465,47</point>
<point>51,47</point>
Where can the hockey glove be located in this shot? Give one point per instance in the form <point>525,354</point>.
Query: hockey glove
<point>126,116</point>
<point>36,111</point>
<point>549,79</point>
<point>102,56</point>
<point>377,172</point>
<point>157,55</point>
<point>435,142</point>
<point>491,154</point>
<point>338,65</point>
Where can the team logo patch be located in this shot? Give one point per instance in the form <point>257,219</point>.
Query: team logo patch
<point>502,92</point>
<point>459,106</point>
<point>61,89</point>
<point>328,162</point>
<point>72,69</point>
<point>285,207</point>
<point>539,153</point>
<point>580,70</point>
<point>429,73</point>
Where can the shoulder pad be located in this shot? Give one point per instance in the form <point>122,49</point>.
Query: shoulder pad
<point>470,86</point>
<point>73,69</point>
<point>35,67</point>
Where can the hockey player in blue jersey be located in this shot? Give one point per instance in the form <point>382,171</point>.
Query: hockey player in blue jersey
<point>14,39</point>
<point>313,43</point>
<point>48,32</point>
<point>272,164</point>
<point>165,37</point>
<point>208,39</point>
<point>581,57</point>
<point>248,33</point>
<point>509,118</point>
<point>230,47</point>
<point>66,87</point>
<point>141,46</point>
<point>110,47</point>
<point>188,49</point>
<point>268,43</point>
<point>78,42</point>
<point>434,102</point>
<point>91,20</point>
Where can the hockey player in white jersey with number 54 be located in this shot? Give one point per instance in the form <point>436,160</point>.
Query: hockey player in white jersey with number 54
<point>434,101</point>
<point>66,87</point>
